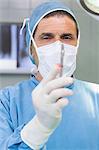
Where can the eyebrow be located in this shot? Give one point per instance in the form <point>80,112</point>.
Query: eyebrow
<point>51,34</point>
<point>47,34</point>
<point>67,34</point>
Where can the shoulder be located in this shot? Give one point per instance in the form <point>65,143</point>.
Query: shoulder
<point>10,92</point>
<point>87,86</point>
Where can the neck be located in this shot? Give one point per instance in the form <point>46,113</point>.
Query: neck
<point>38,76</point>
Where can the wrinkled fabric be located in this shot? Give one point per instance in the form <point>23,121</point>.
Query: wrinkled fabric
<point>78,130</point>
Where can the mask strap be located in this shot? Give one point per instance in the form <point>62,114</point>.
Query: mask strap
<point>31,36</point>
<point>78,40</point>
<point>26,20</point>
<point>34,70</point>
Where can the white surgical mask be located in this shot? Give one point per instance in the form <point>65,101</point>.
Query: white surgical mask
<point>50,54</point>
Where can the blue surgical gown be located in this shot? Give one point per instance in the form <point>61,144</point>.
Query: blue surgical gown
<point>78,130</point>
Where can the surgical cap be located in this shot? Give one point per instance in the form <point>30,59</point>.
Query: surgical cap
<point>41,11</point>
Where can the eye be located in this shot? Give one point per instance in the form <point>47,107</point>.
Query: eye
<point>46,36</point>
<point>66,36</point>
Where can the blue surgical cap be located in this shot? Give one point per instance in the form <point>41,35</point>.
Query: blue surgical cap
<point>41,11</point>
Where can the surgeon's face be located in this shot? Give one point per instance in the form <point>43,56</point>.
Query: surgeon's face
<point>55,28</point>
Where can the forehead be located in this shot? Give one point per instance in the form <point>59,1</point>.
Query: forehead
<point>56,24</point>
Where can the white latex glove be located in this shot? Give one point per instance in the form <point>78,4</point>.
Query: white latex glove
<point>49,98</point>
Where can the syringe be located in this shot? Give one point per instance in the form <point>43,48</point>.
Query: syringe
<point>62,59</point>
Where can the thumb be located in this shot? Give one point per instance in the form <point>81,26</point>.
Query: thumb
<point>52,74</point>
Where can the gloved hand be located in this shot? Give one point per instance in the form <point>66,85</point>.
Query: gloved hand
<point>49,98</point>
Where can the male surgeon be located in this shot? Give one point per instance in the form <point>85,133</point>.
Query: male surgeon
<point>51,110</point>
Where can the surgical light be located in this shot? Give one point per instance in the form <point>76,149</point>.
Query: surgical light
<point>91,7</point>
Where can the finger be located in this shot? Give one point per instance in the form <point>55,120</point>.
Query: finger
<point>58,93</point>
<point>61,103</point>
<point>58,83</point>
<point>52,74</point>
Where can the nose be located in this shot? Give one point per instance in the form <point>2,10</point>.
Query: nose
<point>57,38</point>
